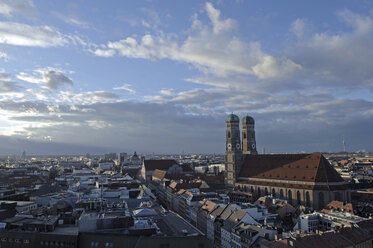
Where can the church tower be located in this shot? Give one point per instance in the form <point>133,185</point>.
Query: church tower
<point>233,152</point>
<point>248,135</point>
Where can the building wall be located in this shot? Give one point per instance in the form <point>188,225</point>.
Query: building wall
<point>202,221</point>
<point>290,194</point>
<point>210,229</point>
<point>225,238</point>
<point>14,239</point>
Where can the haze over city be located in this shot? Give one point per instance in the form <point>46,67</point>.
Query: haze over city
<point>158,76</point>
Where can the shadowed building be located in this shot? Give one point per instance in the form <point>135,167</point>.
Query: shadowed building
<point>302,179</point>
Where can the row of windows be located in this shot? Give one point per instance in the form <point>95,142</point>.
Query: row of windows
<point>96,244</point>
<point>57,243</point>
<point>18,241</point>
<point>281,195</point>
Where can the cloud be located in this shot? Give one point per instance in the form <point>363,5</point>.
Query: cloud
<point>219,25</point>
<point>5,10</point>
<point>9,7</point>
<point>143,126</point>
<point>9,87</point>
<point>167,92</point>
<point>298,27</point>
<point>304,96</point>
<point>125,87</point>
<point>362,24</point>
<point>211,50</point>
<point>50,77</point>
<point>4,56</point>
<point>71,20</point>
<point>104,52</point>
<point>5,77</point>
<point>337,59</point>
<point>18,34</point>
<point>86,98</point>
<point>152,18</point>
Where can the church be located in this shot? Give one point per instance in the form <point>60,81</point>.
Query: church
<point>301,179</point>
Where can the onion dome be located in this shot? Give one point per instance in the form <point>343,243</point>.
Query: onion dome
<point>248,120</point>
<point>232,118</point>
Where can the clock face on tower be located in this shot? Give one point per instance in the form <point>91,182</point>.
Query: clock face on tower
<point>253,146</point>
<point>238,146</point>
<point>229,146</point>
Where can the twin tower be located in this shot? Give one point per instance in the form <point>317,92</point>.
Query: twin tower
<point>235,149</point>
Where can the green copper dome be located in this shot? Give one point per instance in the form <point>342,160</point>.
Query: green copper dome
<point>248,120</point>
<point>233,118</point>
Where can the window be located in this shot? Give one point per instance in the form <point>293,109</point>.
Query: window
<point>308,202</point>
<point>229,134</point>
<point>281,194</point>
<point>290,197</point>
<point>274,193</point>
<point>298,198</point>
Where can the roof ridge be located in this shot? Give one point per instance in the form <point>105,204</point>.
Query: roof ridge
<point>326,174</point>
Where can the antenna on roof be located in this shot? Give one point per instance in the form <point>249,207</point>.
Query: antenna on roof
<point>344,144</point>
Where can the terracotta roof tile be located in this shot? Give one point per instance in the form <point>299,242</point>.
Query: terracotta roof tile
<point>159,174</point>
<point>338,205</point>
<point>159,164</point>
<point>208,205</point>
<point>291,167</point>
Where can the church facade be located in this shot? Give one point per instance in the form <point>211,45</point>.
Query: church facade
<point>301,179</point>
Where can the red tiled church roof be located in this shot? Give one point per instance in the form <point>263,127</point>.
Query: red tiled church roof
<point>291,167</point>
<point>163,164</point>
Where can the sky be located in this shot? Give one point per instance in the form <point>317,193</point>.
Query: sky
<point>160,76</point>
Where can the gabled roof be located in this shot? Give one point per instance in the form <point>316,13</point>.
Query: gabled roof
<point>163,164</point>
<point>208,205</point>
<point>159,174</point>
<point>287,208</point>
<point>217,211</point>
<point>185,185</point>
<point>180,192</point>
<point>228,210</point>
<point>173,185</point>
<point>339,206</point>
<point>290,167</point>
<point>233,219</point>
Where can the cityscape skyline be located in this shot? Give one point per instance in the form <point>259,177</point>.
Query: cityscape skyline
<point>159,77</point>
